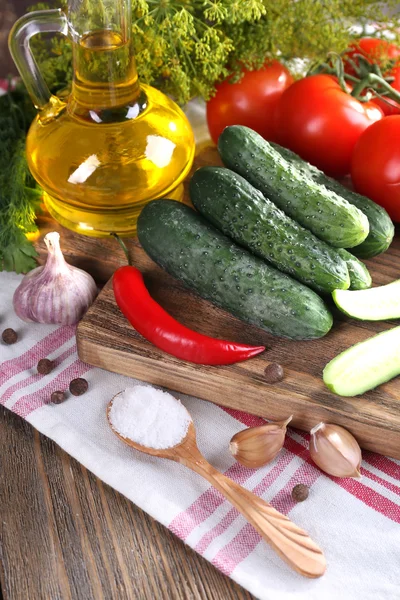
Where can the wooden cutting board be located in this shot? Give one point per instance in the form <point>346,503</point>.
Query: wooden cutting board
<point>105,339</point>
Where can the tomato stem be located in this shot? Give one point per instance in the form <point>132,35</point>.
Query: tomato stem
<point>382,97</point>
<point>369,77</point>
<point>339,68</point>
<point>372,80</point>
<point>334,66</point>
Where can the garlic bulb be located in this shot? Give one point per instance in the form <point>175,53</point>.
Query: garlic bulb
<point>56,292</point>
<point>335,450</point>
<point>257,446</point>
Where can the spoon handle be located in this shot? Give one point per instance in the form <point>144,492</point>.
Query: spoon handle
<point>290,542</point>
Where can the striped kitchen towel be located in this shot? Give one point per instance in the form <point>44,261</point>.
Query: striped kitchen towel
<point>356,522</point>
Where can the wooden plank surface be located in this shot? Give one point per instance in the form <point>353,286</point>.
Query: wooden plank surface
<point>64,534</point>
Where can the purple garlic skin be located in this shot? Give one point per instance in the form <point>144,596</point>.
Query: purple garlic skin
<point>56,293</point>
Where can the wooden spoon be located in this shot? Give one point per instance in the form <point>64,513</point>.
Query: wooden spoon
<point>290,542</point>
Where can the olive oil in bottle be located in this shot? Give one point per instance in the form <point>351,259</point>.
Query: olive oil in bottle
<point>113,145</point>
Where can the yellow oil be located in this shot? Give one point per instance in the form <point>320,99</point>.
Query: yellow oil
<point>113,146</point>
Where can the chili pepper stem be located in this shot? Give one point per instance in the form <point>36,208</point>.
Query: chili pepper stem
<point>123,246</point>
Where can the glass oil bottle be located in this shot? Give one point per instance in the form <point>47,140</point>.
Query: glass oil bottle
<point>114,144</point>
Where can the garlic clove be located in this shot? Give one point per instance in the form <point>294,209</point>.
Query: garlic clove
<point>56,293</point>
<point>335,450</point>
<point>257,446</point>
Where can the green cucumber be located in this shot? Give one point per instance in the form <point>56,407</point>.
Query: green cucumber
<point>360,278</point>
<point>366,365</point>
<point>189,248</point>
<point>244,214</point>
<point>329,216</point>
<point>377,304</point>
<point>381,228</point>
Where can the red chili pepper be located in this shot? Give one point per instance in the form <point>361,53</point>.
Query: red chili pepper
<point>162,330</point>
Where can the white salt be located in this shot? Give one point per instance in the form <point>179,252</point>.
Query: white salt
<point>149,417</point>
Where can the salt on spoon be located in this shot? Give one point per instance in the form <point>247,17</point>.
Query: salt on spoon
<point>143,415</point>
<point>149,417</point>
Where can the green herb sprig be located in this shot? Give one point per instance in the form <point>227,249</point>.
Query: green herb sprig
<point>19,195</point>
<point>183,47</point>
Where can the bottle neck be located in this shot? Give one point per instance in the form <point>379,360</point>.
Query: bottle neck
<point>105,74</point>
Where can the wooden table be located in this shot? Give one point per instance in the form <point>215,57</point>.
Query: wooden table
<point>66,535</point>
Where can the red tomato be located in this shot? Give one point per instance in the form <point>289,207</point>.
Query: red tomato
<point>322,123</point>
<point>378,51</point>
<point>373,49</point>
<point>251,101</point>
<point>391,107</point>
<point>375,167</point>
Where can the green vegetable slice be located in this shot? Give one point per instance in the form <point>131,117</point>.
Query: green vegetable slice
<point>366,365</point>
<point>376,304</point>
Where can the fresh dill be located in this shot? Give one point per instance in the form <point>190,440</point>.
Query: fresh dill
<point>182,47</point>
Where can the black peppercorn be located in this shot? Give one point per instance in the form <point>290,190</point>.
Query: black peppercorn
<point>300,492</point>
<point>273,373</point>
<point>78,386</point>
<point>9,336</point>
<point>57,397</point>
<point>45,366</point>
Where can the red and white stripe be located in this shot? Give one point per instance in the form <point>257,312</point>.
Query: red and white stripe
<point>228,542</point>
<point>21,386</point>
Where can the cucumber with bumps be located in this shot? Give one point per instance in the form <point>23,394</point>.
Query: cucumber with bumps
<point>360,279</point>
<point>188,247</point>
<point>381,228</point>
<point>329,216</point>
<point>244,214</point>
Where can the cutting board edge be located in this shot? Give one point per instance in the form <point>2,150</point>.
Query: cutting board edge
<point>153,371</point>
